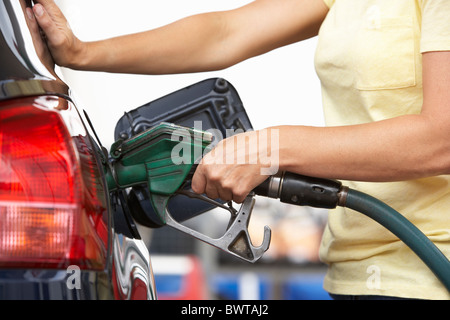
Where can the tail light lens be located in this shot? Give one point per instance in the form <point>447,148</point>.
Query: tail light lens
<point>51,215</point>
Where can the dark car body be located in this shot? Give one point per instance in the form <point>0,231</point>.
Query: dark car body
<point>63,234</point>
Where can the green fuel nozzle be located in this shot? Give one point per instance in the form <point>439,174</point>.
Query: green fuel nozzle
<point>163,158</point>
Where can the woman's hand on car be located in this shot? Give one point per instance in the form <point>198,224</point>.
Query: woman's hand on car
<point>64,46</point>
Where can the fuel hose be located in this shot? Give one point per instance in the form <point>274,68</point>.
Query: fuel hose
<point>323,193</point>
<point>404,230</point>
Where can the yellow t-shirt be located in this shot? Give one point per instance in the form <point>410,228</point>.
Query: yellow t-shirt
<point>369,61</point>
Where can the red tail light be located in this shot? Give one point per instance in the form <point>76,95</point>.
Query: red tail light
<point>49,216</point>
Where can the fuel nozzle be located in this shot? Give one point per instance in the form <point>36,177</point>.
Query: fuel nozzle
<point>302,190</point>
<point>151,164</point>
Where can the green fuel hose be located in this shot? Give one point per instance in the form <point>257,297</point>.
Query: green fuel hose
<point>323,193</point>
<point>404,230</point>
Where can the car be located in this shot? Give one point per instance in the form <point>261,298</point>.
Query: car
<point>63,234</point>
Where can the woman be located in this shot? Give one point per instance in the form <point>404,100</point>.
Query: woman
<point>384,67</point>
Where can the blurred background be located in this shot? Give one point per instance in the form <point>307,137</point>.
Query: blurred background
<point>277,88</point>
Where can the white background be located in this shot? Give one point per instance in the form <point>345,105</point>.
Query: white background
<point>277,88</point>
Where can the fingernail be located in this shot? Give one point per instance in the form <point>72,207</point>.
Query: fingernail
<point>30,13</point>
<point>38,10</point>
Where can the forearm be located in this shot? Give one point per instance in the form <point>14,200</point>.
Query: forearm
<point>402,148</point>
<point>187,45</point>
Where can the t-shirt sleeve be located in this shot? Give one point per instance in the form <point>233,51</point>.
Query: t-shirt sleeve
<point>329,3</point>
<point>435,25</point>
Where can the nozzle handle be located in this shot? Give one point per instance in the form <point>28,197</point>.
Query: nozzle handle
<point>236,239</point>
